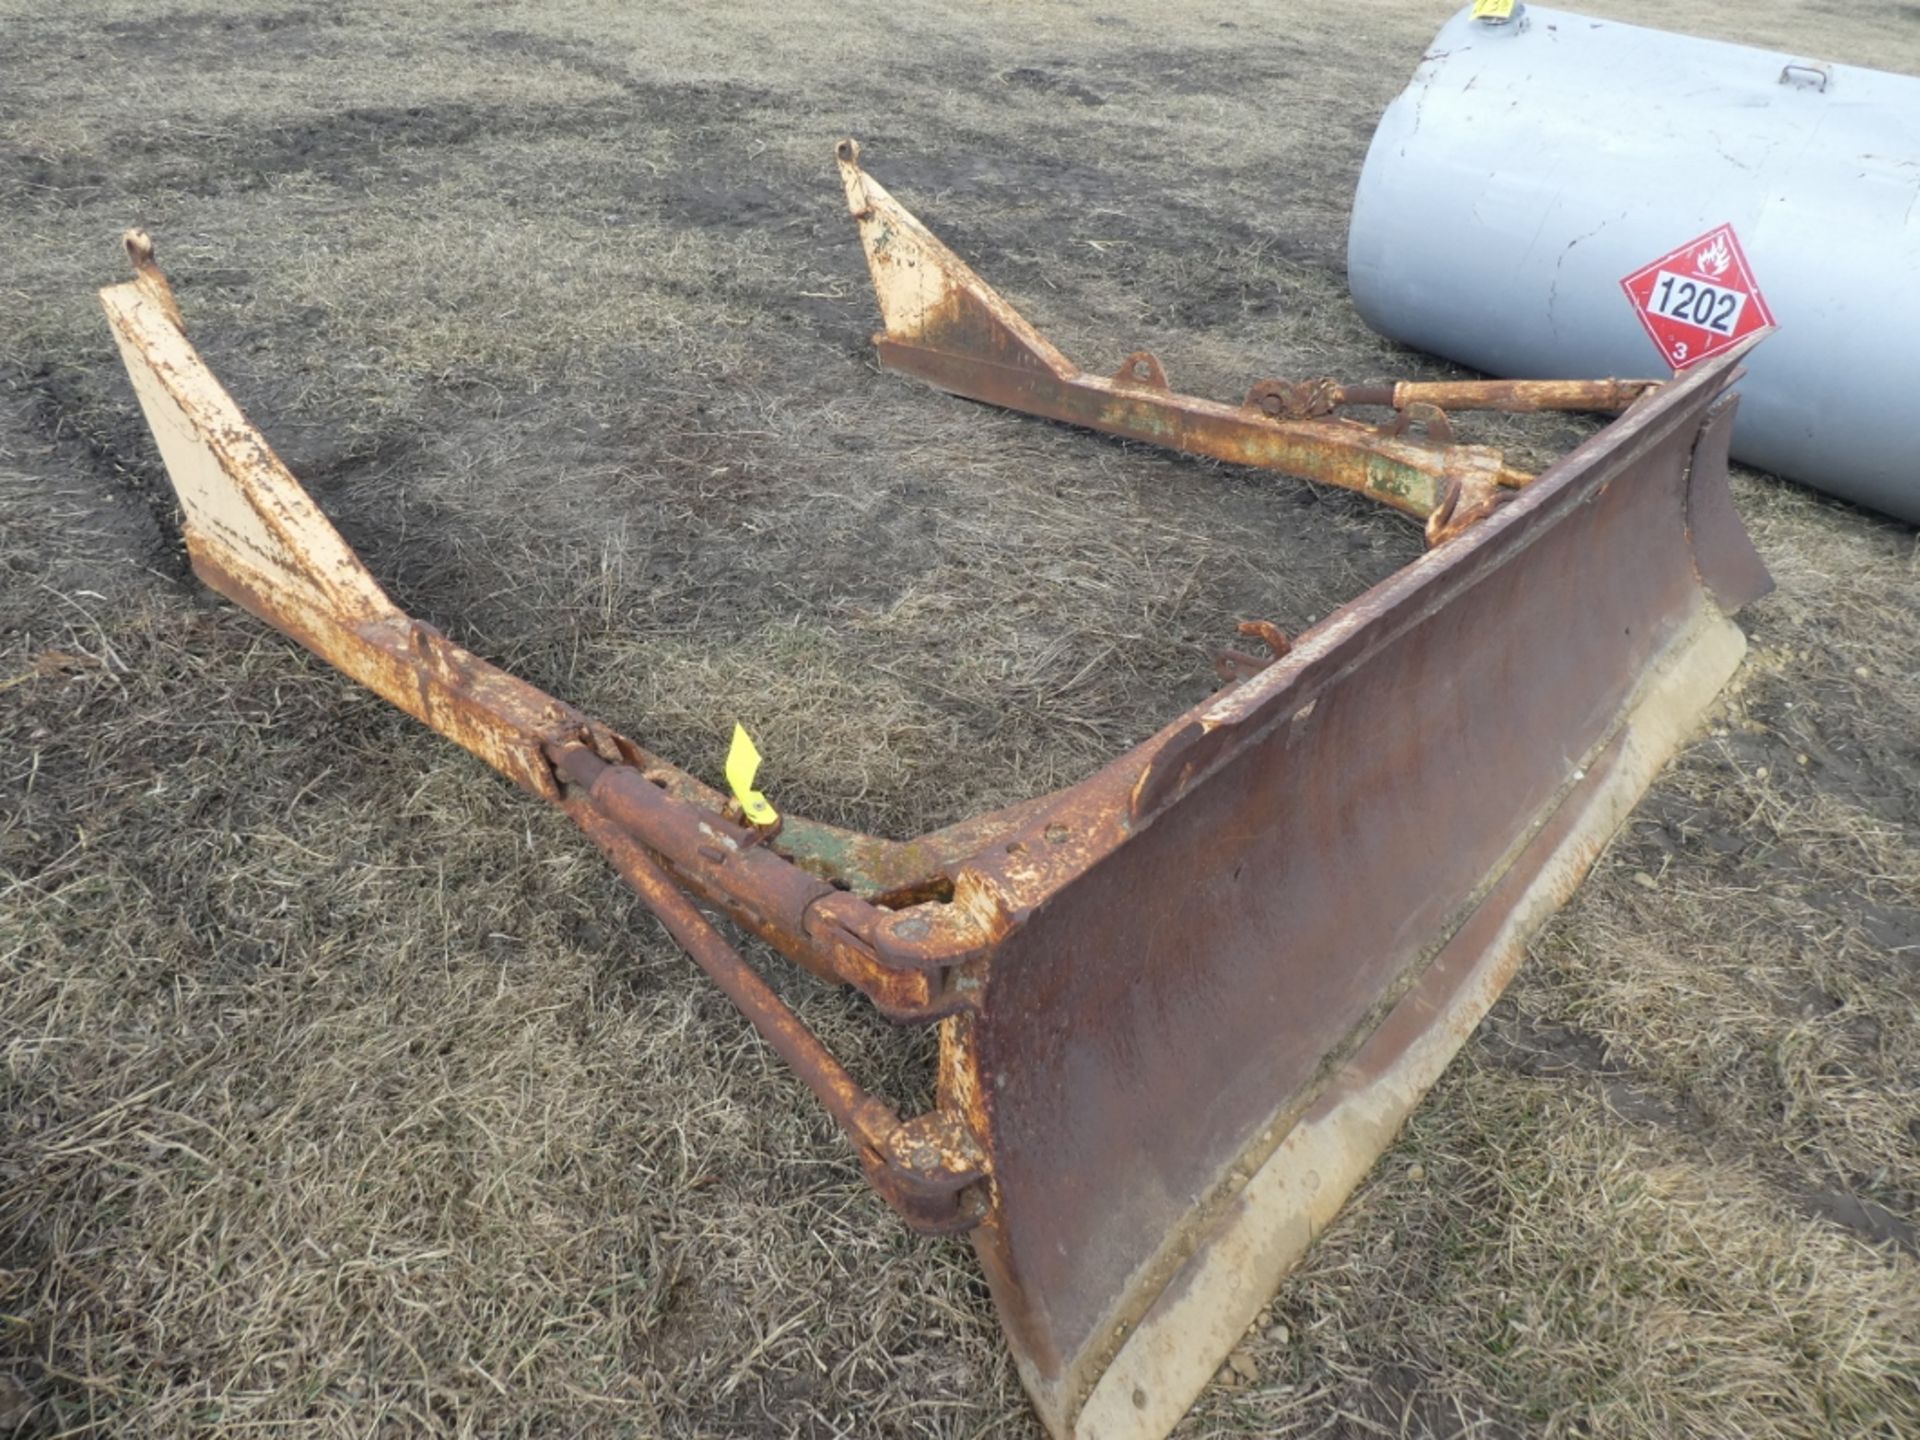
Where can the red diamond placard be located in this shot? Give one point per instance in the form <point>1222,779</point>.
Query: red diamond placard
<point>1699,298</point>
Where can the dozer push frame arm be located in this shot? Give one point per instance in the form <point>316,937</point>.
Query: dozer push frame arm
<point>948,327</point>
<point>254,535</point>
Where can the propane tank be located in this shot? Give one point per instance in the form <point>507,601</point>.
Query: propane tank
<point>1540,158</point>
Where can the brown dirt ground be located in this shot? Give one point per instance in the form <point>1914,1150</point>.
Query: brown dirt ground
<point>347,1093</point>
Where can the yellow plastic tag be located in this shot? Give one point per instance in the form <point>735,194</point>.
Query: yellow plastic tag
<point>743,763</point>
<point>1493,9</point>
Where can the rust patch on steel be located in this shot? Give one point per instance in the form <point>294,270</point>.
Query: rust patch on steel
<point>1152,980</point>
<point>1238,665</point>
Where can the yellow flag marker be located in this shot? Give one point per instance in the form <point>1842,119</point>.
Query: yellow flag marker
<point>743,763</point>
<point>1492,9</point>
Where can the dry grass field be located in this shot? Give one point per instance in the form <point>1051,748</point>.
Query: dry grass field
<point>347,1093</point>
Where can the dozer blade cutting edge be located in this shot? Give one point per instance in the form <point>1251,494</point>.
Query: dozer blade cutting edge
<point>1185,1003</point>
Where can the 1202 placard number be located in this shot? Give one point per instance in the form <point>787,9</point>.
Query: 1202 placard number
<point>1696,302</point>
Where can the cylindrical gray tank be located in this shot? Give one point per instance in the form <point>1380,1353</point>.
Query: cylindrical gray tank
<point>1531,166</point>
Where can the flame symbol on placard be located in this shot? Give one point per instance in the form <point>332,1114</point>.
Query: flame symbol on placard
<point>1715,260</point>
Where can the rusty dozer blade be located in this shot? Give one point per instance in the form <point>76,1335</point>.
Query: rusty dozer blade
<point>1186,1002</point>
<point>948,327</point>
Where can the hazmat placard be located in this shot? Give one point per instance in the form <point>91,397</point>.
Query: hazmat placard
<point>1699,298</point>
